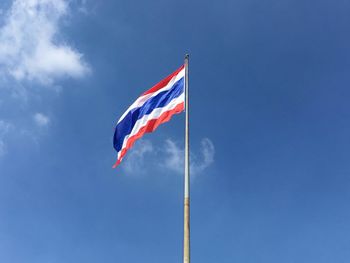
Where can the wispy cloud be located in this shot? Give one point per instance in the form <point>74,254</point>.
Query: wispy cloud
<point>33,53</point>
<point>83,7</point>
<point>169,156</point>
<point>29,46</point>
<point>41,119</point>
<point>175,157</point>
<point>207,152</point>
<point>2,148</point>
<point>4,129</point>
<point>136,159</point>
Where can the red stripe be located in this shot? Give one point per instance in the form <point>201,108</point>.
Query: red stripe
<point>149,127</point>
<point>163,82</point>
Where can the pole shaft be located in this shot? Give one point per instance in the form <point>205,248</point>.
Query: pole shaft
<point>186,249</point>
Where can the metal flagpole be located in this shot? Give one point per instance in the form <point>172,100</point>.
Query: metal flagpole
<point>186,249</point>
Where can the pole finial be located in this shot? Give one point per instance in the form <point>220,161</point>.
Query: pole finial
<point>187,56</point>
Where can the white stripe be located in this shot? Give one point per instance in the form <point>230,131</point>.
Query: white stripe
<point>155,114</point>
<point>141,100</point>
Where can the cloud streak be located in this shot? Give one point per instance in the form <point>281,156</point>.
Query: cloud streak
<point>33,53</point>
<point>175,157</point>
<point>207,151</point>
<point>29,46</point>
<point>41,119</point>
<point>136,160</point>
<point>169,156</point>
<point>4,129</point>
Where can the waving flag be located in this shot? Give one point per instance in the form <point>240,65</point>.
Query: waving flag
<point>152,108</point>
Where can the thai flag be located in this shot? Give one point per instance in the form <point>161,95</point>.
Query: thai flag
<point>152,108</point>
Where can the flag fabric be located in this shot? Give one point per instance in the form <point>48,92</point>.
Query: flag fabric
<point>152,108</point>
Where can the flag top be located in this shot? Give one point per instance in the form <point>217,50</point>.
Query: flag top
<point>154,107</point>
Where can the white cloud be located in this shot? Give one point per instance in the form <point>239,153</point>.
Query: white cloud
<point>207,151</point>
<point>4,129</point>
<point>2,148</point>
<point>135,160</point>
<point>82,8</point>
<point>175,157</point>
<point>41,119</point>
<point>29,46</point>
<point>144,156</point>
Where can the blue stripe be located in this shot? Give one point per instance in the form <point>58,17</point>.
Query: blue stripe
<point>162,99</point>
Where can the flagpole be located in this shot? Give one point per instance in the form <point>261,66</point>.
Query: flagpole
<point>186,243</point>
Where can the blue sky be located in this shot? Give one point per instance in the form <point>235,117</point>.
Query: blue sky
<point>270,131</point>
